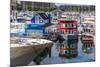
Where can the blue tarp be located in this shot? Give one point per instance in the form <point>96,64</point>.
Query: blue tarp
<point>35,26</point>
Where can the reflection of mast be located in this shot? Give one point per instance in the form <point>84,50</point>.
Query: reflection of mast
<point>13,9</point>
<point>69,49</point>
<point>80,14</point>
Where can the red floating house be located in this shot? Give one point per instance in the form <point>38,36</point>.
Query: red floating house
<point>69,30</point>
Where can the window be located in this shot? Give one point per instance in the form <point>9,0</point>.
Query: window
<point>72,46</point>
<point>89,30</point>
<point>66,25</point>
<point>86,45</point>
<point>71,51</point>
<point>91,26</point>
<point>67,52</point>
<point>69,31</point>
<point>63,45</point>
<point>72,25</point>
<point>72,31</point>
<point>66,31</point>
<point>86,30</point>
<point>62,32</point>
<point>67,46</point>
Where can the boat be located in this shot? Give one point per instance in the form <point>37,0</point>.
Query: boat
<point>88,33</point>
<point>25,50</point>
<point>88,27</point>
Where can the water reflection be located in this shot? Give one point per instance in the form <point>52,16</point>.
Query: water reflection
<point>87,47</point>
<point>69,48</point>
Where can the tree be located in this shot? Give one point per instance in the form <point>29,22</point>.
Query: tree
<point>29,8</point>
<point>19,7</point>
<point>36,9</point>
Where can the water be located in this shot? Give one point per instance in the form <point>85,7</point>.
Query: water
<point>56,59</point>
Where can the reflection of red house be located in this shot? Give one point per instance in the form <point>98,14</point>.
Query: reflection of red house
<point>69,29</point>
<point>88,43</point>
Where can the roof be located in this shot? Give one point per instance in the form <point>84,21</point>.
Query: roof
<point>66,21</point>
<point>62,28</point>
<point>35,26</point>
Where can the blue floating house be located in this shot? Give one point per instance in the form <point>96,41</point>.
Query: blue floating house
<point>37,25</point>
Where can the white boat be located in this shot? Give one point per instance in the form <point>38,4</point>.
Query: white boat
<point>24,50</point>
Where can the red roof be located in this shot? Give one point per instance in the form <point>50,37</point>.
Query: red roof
<point>61,28</point>
<point>66,21</point>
